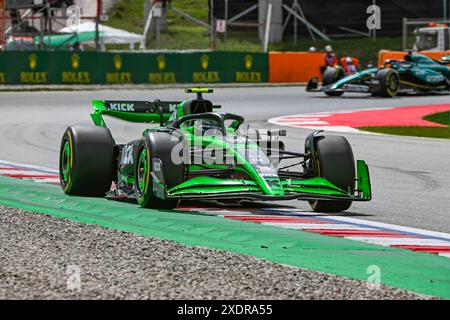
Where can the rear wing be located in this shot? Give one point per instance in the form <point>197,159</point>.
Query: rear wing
<point>133,111</point>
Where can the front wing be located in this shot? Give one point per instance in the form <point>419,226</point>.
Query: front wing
<point>317,188</point>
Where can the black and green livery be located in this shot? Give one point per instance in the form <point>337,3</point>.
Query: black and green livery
<point>196,152</point>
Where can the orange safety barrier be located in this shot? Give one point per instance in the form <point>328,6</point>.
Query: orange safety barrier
<point>295,66</point>
<point>400,55</point>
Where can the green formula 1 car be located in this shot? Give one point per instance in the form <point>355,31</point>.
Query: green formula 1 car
<point>198,153</point>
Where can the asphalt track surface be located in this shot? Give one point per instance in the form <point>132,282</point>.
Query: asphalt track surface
<point>410,176</point>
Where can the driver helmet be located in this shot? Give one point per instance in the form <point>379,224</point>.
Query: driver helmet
<point>349,60</point>
<point>312,49</point>
<point>328,48</point>
<point>408,57</point>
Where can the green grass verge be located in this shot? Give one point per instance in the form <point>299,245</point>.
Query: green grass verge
<point>441,117</point>
<point>429,132</point>
<point>183,34</point>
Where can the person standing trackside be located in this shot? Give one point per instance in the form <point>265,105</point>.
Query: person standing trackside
<point>350,66</point>
<point>330,57</point>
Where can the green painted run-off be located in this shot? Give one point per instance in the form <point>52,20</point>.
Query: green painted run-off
<point>420,272</point>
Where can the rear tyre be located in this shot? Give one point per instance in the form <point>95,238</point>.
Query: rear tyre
<point>156,145</point>
<point>86,161</point>
<point>389,80</point>
<point>335,163</point>
<point>330,76</point>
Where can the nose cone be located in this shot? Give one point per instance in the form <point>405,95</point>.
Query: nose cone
<point>274,186</point>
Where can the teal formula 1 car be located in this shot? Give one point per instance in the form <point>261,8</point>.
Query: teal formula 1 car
<point>416,74</point>
<point>197,153</point>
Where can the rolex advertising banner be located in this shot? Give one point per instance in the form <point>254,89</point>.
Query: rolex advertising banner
<point>65,67</point>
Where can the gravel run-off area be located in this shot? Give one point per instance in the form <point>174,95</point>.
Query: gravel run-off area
<point>46,258</point>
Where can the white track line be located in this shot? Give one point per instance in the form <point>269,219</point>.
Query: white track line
<point>47,180</point>
<point>386,226</point>
<point>386,241</point>
<point>323,115</point>
<point>316,226</point>
<point>15,171</point>
<point>28,167</point>
<point>304,123</point>
<point>360,222</point>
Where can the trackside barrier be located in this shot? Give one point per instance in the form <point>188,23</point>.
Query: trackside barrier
<point>384,55</point>
<point>295,66</point>
<point>65,67</point>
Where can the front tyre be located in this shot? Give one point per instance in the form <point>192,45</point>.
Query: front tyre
<point>334,162</point>
<point>389,81</point>
<point>156,145</point>
<point>86,161</point>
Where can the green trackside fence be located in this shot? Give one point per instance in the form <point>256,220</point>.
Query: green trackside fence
<point>65,67</point>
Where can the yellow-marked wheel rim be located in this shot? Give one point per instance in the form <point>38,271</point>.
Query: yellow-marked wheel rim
<point>392,84</point>
<point>143,173</point>
<point>66,163</point>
